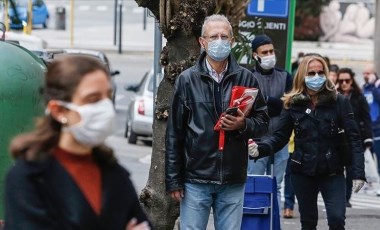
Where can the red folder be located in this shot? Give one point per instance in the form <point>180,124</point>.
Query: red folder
<point>241,97</point>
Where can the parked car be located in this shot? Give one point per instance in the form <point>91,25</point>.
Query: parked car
<point>39,10</point>
<point>103,58</point>
<point>46,55</point>
<point>140,110</point>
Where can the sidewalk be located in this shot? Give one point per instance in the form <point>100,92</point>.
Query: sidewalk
<point>356,219</point>
<point>134,38</point>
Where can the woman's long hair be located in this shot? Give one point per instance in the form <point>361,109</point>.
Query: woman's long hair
<point>61,80</point>
<point>299,85</point>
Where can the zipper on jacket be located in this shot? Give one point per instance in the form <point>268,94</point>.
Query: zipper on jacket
<point>213,98</point>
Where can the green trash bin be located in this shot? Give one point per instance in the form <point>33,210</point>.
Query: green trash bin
<point>21,82</point>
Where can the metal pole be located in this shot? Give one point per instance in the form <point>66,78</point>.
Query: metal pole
<point>72,23</point>
<point>291,18</point>
<point>115,24</point>
<point>144,18</point>
<point>156,60</point>
<point>30,18</point>
<point>6,20</point>
<point>120,26</point>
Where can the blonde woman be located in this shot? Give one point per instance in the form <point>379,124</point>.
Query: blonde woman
<point>316,113</point>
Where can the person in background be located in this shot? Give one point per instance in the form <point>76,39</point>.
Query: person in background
<point>297,62</point>
<point>349,88</point>
<point>288,187</point>
<point>316,112</point>
<point>198,173</point>
<point>64,176</point>
<point>274,83</point>
<point>333,74</point>
<point>371,92</point>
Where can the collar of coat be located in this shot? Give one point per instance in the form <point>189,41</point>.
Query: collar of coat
<point>233,66</point>
<point>325,97</point>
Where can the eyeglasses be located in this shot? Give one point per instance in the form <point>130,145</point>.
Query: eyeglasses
<point>216,37</point>
<point>313,73</point>
<point>347,81</point>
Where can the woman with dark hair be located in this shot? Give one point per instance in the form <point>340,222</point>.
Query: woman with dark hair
<point>64,176</point>
<point>316,113</point>
<point>349,88</point>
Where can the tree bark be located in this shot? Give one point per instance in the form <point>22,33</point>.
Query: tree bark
<point>180,22</point>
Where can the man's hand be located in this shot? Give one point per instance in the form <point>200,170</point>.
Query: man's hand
<point>177,195</point>
<point>229,122</point>
<point>132,225</point>
<point>253,148</point>
<point>371,78</point>
<point>357,185</point>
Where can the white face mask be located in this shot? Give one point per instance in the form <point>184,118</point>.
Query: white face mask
<point>268,62</point>
<point>96,124</point>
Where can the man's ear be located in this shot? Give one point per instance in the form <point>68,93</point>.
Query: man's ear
<point>201,40</point>
<point>255,56</point>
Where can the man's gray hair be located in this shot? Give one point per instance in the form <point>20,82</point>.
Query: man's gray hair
<point>216,18</point>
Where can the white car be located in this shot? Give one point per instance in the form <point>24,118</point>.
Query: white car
<point>140,110</point>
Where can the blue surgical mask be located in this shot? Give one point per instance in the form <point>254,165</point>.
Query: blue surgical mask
<point>316,82</point>
<point>219,49</point>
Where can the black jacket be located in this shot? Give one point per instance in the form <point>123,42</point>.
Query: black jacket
<point>42,195</point>
<point>192,153</point>
<point>274,83</point>
<point>316,135</point>
<point>362,116</point>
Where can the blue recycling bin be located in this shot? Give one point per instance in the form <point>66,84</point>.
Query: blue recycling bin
<point>258,210</point>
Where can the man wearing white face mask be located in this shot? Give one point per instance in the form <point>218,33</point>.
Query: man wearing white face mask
<point>274,82</point>
<point>198,174</point>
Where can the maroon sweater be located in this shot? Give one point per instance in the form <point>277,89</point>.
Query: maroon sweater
<point>86,174</point>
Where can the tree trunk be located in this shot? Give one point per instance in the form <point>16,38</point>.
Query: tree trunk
<point>180,22</point>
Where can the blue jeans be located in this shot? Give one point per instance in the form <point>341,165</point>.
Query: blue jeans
<point>333,190</point>
<point>225,200</point>
<point>288,189</point>
<point>262,166</point>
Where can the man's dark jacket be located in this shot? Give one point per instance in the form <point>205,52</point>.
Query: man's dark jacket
<point>316,139</point>
<point>42,195</point>
<point>274,83</point>
<point>192,153</point>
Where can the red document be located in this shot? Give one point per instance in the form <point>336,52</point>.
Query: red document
<point>241,97</point>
